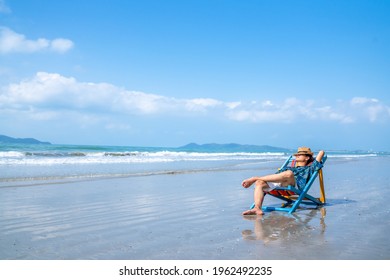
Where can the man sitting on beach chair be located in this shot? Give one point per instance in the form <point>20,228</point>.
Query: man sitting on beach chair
<point>297,175</point>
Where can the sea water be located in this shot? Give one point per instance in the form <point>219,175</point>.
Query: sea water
<point>46,217</point>
<point>21,162</point>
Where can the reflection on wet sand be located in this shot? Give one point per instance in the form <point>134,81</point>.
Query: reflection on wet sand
<point>284,227</point>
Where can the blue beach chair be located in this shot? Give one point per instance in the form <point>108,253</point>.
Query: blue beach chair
<point>293,196</point>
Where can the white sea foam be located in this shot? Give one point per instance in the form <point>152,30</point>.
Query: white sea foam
<point>352,155</point>
<point>80,157</point>
<point>11,154</point>
<point>54,158</point>
<point>59,163</point>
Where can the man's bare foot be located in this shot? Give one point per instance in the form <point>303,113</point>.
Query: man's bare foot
<point>253,212</point>
<point>248,182</point>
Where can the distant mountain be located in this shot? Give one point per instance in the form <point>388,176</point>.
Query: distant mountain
<point>10,140</point>
<point>232,147</point>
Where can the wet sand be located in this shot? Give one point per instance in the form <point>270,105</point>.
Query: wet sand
<point>196,216</point>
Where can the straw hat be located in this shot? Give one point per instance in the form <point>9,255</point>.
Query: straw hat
<point>304,151</point>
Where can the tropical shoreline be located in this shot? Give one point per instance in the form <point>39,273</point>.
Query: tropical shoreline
<point>195,216</point>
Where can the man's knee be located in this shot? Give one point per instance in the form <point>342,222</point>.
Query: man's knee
<point>288,177</point>
<point>288,174</point>
<point>260,184</point>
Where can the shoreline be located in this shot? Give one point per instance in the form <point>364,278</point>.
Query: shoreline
<point>195,216</point>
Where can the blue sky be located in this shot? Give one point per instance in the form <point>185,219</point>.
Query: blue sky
<point>166,73</point>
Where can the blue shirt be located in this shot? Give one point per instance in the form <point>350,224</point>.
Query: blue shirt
<point>302,174</point>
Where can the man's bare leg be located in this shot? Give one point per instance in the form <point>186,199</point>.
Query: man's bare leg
<point>285,178</point>
<point>261,186</point>
<point>258,197</point>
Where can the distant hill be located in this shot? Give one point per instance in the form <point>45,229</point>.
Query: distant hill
<point>232,147</point>
<point>10,140</point>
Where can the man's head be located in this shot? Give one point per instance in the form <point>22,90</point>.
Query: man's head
<point>304,151</point>
<point>304,154</point>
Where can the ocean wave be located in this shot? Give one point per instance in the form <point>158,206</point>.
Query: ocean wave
<point>72,156</point>
<point>56,158</point>
<point>353,155</point>
<point>12,154</point>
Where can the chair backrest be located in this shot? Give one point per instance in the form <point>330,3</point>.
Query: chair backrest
<point>318,173</point>
<point>321,180</point>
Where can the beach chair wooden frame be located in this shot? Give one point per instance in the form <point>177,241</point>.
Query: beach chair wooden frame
<point>293,196</point>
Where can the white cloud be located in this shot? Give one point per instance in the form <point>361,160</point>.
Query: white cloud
<point>45,95</point>
<point>363,100</point>
<point>268,111</point>
<point>327,113</point>
<point>201,104</point>
<point>293,109</point>
<point>61,45</point>
<point>141,103</point>
<point>260,116</point>
<point>267,103</point>
<point>53,91</point>
<point>233,105</point>
<point>372,108</point>
<point>12,42</point>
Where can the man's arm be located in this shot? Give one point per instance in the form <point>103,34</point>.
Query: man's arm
<point>320,155</point>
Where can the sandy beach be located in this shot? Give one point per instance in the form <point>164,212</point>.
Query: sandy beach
<point>195,216</point>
